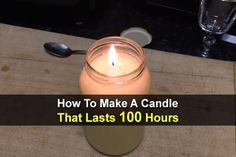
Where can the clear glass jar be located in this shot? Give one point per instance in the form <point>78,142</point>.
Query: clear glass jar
<point>127,74</point>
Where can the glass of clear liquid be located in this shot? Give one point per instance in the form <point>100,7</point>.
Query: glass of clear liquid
<point>215,17</point>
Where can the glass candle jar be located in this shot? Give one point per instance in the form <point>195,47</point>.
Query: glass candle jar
<point>114,65</point>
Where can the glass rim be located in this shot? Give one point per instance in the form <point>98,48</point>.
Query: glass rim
<point>122,40</point>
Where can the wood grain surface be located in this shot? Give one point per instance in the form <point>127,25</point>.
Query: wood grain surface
<point>25,68</point>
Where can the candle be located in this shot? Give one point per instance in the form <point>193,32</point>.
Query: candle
<point>114,65</point>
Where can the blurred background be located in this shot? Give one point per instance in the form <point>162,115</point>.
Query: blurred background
<point>173,24</point>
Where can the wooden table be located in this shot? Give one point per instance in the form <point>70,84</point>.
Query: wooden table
<point>26,69</point>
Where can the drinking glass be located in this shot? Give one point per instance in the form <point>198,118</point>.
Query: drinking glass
<point>215,17</point>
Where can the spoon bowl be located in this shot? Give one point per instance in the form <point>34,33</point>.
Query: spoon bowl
<point>61,50</point>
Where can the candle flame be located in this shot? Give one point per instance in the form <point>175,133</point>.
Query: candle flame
<point>112,55</point>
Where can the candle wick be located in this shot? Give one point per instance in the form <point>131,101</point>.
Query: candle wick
<point>113,63</point>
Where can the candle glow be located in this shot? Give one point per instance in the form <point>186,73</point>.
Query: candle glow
<point>112,55</point>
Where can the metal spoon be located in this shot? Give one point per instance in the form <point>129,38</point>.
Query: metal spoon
<point>61,50</point>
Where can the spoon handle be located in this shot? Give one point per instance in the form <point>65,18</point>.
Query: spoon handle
<point>81,52</point>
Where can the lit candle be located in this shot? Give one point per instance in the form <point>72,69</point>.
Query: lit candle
<point>111,66</point>
<point>114,65</point>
